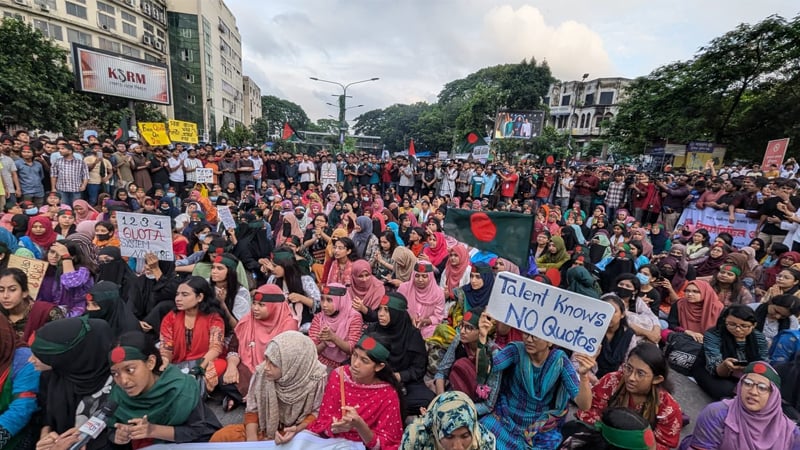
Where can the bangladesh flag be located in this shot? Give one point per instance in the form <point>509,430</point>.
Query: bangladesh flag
<point>289,134</point>
<point>503,233</point>
<point>471,140</point>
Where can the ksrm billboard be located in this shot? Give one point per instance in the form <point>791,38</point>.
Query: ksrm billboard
<point>107,73</point>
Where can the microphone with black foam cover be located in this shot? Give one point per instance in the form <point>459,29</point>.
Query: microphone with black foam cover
<point>95,425</point>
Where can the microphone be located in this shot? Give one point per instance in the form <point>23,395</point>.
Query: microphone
<point>95,425</point>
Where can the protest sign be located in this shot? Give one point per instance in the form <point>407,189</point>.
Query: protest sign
<point>155,133</point>
<point>180,131</point>
<point>34,268</point>
<point>716,221</point>
<point>226,217</point>
<point>776,151</point>
<point>204,175</point>
<point>564,318</point>
<point>145,233</point>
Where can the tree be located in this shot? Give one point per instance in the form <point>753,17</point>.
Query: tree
<point>104,113</point>
<point>276,111</point>
<point>36,86</point>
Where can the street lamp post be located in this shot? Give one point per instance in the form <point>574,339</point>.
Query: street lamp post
<point>343,103</point>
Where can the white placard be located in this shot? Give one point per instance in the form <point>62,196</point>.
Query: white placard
<point>204,175</point>
<point>145,233</point>
<point>226,217</point>
<point>566,319</point>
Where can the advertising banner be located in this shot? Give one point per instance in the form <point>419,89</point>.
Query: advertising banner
<point>716,221</point>
<point>107,73</point>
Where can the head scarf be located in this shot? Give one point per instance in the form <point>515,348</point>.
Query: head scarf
<point>86,228</point>
<point>740,260</point>
<point>89,214</point>
<point>399,334</point>
<point>446,413</point>
<point>9,343</point>
<point>766,429</point>
<point>510,266</point>
<point>361,238</point>
<point>333,198</point>
<point>297,393</point>
<point>710,265</point>
<point>599,250</point>
<point>76,349</point>
<point>19,224</point>
<point>752,263</point>
<point>560,256</point>
<point>679,277</point>
<point>396,230</point>
<point>339,322</point>
<point>699,317</point>
<point>404,261</point>
<point>455,272</point>
<point>371,291</point>
<point>439,253</point>
<point>44,240</point>
<point>113,309</point>
<point>430,295</point>
<point>647,247</point>
<point>479,298</point>
<point>116,270</point>
<point>254,335</point>
<point>337,234</point>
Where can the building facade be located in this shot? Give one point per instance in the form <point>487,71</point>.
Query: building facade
<point>252,101</point>
<point>205,51</point>
<point>583,108</point>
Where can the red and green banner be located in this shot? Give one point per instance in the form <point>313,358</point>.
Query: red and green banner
<point>471,140</point>
<point>289,134</point>
<point>505,234</point>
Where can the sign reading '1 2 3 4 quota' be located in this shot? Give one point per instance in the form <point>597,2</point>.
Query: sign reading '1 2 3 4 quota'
<point>562,317</point>
<point>145,233</point>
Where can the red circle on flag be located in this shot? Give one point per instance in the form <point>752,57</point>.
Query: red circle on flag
<point>482,227</point>
<point>759,368</point>
<point>649,437</point>
<point>117,355</point>
<point>550,160</point>
<point>468,316</point>
<point>368,344</point>
<point>472,138</point>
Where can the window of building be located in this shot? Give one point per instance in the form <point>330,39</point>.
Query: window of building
<point>103,7</point>
<point>589,99</point>
<point>76,10</point>
<point>82,2</point>
<point>78,37</point>
<point>127,50</point>
<point>151,58</point>
<point>565,100</point>
<point>129,29</point>
<point>49,3</point>
<point>149,27</point>
<point>160,33</point>
<point>128,17</point>
<point>186,55</point>
<point>189,77</point>
<point>111,46</point>
<point>185,33</point>
<point>191,99</point>
<point>49,30</point>
<point>106,22</point>
<point>607,98</point>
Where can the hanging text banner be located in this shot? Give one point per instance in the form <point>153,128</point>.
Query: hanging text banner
<point>774,154</point>
<point>564,318</point>
<point>145,233</point>
<point>180,131</point>
<point>715,222</point>
<point>34,268</point>
<point>155,133</point>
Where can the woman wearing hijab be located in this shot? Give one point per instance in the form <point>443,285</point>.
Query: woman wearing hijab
<point>599,248</point>
<point>75,380</point>
<point>19,225</point>
<point>672,281</point>
<point>19,384</point>
<point>580,280</point>
<point>68,277</point>
<point>152,294</point>
<point>83,211</point>
<point>450,417</point>
<point>474,294</point>
<point>753,419</point>
<point>111,267</point>
<point>696,312</point>
<point>103,302</point>
<point>425,299</point>
<point>436,251</point>
<point>336,329</point>
<point>39,236</point>
<point>366,291</point>
<point>555,256</point>
<point>716,257</point>
<point>285,395</point>
<point>456,271</point>
<point>366,242</point>
<point>753,265</point>
<point>404,262</point>
<point>251,244</point>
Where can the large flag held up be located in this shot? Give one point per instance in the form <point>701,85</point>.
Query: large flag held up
<point>289,134</point>
<point>504,233</point>
<point>471,140</point>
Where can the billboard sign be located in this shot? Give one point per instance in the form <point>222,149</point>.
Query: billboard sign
<point>511,124</point>
<point>107,73</point>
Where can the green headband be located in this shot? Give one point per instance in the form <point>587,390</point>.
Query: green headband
<point>473,316</point>
<point>125,353</point>
<point>283,256</point>
<point>395,301</point>
<point>336,291</point>
<point>261,297</point>
<point>627,439</point>
<point>765,370</point>
<point>45,347</point>
<point>732,268</point>
<point>374,349</point>
<point>224,260</point>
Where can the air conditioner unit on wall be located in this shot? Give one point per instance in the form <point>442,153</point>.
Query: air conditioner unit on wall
<point>130,3</point>
<point>159,46</point>
<point>147,40</point>
<point>45,8</point>
<point>22,2</point>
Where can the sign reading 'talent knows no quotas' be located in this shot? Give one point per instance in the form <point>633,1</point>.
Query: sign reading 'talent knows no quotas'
<point>566,319</point>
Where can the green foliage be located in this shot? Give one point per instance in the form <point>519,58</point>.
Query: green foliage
<point>740,90</point>
<point>103,113</point>
<point>276,111</point>
<point>260,130</point>
<point>237,136</point>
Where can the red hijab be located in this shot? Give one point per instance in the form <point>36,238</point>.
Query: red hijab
<point>44,240</point>
<point>439,253</point>
<point>254,335</point>
<point>456,271</point>
<point>701,316</point>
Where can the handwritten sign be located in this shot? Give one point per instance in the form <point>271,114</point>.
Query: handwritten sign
<point>34,268</point>
<point>226,217</point>
<point>155,133</point>
<point>204,175</point>
<point>145,233</point>
<point>180,131</point>
<point>566,319</point>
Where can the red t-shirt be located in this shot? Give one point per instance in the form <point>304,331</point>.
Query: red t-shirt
<point>509,185</point>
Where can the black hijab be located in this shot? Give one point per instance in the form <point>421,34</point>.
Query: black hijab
<point>19,223</point>
<point>113,309</point>
<point>116,271</point>
<point>401,338</point>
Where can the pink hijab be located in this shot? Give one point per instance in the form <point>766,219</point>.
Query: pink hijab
<point>370,292</point>
<point>254,335</point>
<point>339,324</point>
<point>426,302</point>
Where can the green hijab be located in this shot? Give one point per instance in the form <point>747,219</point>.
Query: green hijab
<point>169,402</point>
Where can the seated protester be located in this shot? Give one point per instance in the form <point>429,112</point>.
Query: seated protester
<point>727,283</point>
<point>25,315</point>
<point>451,419</point>
<point>671,284</point>
<point>340,269</point>
<point>111,267</point>
<point>285,394</point>
<point>103,302</point>
<point>370,384</point>
<point>436,252</point>
<point>638,258</point>
<point>75,379</point>
<point>425,299</point>
<point>69,276</point>
<point>300,290</point>
<point>599,247</point>
<point>269,316</point>
<point>104,235</point>
<point>199,263</point>
<point>65,223</point>
<point>408,357</point>
<point>456,272</point>
<point>251,244</point>
<point>473,295</point>
<point>770,275</point>
<point>642,385</point>
<point>153,293</point>
<point>752,265</point>
<point>696,312</point>
<point>618,341</point>
<point>787,282</point>
<point>533,399</point>
<point>336,329</point>
<point>365,290</point>
<point>639,316</point>
<point>416,241</point>
<point>776,315</point>
<point>620,262</point>
<point>154,405</point>
<point>39,236</point>
<point>698,247</point>
<point>465,366</point>
<point>19,384</point>
<point>646,275</point>
<point>233,297</point>
<point>580,280</point>
<point>727,348</point>
<point>404,262</point>
<point>618,428</point>
<point>709,266</point>
<point>366,243</point>
<point>555,256</point>
<point>752,420</point>
<point>193,333</point>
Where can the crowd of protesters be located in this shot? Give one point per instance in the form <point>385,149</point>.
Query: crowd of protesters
<point>337,308</point>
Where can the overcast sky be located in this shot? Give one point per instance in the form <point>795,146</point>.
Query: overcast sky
<point>416,46</point>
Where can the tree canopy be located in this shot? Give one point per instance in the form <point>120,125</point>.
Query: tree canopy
<point>275,111</point>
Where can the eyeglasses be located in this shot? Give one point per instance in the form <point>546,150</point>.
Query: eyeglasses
<point>738,326</point>
<point>467,326</point>
<point>762,388</point>
<point>639,374</point>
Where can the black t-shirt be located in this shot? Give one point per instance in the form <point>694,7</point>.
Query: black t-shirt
<point>769,209</point>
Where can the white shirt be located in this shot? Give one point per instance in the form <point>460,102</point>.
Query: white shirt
<point>306,169</point>
<point>176,176</point>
